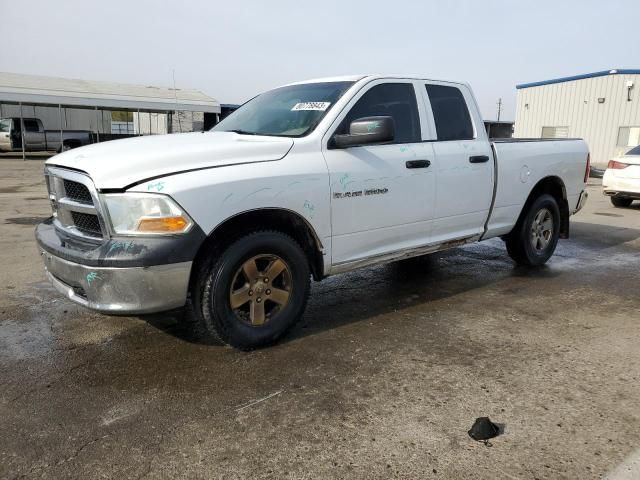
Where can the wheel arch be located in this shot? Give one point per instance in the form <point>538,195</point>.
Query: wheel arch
<point>71,143</point>
<point>555,187</point>
<point>278,219</point>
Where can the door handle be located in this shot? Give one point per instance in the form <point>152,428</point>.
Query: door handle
<point>479,159</point>
<point>417,163</point>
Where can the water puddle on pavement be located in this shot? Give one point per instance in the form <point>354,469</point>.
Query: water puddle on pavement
<point>38,321</point>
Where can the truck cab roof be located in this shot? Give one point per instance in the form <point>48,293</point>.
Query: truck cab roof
<point>373,76</point>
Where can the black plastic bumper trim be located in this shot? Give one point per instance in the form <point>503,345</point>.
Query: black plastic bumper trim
<point>123,251</point>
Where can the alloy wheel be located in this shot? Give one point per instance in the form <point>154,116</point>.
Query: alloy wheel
<point>260,289</point>
<point>541,230</point>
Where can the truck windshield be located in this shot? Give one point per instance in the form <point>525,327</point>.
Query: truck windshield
<point>5,125</point>
<point>292,111</point>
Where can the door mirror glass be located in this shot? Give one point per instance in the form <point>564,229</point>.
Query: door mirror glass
<point>366,131</point>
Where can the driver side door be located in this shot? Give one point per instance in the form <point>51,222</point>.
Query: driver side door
<point>382,195</point>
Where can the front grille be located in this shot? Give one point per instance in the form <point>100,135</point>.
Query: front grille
<point>71,194</point>
<point>77,191</point>
<point>87,223</point>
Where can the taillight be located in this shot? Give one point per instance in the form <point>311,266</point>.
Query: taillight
<point>616,165</point>
<point>588,169</point>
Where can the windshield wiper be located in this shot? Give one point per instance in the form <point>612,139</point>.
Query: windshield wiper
<point>242,132</point>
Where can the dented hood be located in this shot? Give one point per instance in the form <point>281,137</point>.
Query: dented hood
<point>120,163</point>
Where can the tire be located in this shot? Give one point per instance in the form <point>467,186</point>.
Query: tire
<point>65,147</point>
<point>621,202</point>
<point>535,236</point>
<point>265,309</point>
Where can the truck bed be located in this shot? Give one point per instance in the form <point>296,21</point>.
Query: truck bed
<point>57,132</point>
<point>521,163</point>
<point>521,140</point>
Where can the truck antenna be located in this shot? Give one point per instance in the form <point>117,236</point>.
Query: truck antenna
<point>175,96</point>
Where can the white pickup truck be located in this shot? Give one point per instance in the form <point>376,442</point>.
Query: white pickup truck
<point>310,179</point>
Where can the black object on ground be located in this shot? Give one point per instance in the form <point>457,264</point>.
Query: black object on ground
<point>484,429</point>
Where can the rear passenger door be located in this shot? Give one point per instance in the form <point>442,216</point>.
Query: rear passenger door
<point>33,135</point>
<point>463,163</point>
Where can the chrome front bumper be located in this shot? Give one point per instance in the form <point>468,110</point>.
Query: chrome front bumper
<point>120,290</point>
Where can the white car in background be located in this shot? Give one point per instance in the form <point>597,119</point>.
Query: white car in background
<point>621,180</point>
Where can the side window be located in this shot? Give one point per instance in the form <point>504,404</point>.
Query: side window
<point>30,125</point>
<point>450,113</point>
<point>397,100</point>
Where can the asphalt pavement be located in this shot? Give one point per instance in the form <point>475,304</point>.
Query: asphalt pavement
<point>383,377</point>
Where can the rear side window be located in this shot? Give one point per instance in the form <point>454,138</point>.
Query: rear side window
<point>634,151</point>
<point>30,125</point>
<point>397,100</point>
<point>450,113</point>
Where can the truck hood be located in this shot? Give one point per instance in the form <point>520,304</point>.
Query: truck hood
<point>120,163</point>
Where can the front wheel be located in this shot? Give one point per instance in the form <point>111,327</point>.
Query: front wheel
<point>254,291</point>
<point>621,201</point>
<point>535,236</point>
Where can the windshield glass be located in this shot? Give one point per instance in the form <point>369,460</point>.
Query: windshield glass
<point>5,125</point>
<point>292,111</point>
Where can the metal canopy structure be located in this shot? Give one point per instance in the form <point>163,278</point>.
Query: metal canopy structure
<point>34,90</point>
<point>37,90</point>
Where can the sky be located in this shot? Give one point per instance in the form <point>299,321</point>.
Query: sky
<point>235,50</point>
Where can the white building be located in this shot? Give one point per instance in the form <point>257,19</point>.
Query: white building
<point>601,107</point>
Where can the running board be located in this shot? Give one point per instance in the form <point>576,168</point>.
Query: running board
<point>401,254</point>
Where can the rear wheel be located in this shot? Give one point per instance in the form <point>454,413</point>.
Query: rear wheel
<point>621,201</point>
<point>65,147</point>
<point>535,236</point>
<point>254,291</point>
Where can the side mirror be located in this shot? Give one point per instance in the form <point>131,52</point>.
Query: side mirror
<point>366,131</point>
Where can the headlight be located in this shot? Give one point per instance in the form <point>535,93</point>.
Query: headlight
<point>145,214</point>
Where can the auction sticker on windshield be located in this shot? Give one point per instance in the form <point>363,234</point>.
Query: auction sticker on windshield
<point>321,106</point>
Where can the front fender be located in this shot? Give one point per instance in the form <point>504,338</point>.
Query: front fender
<point>212,196</point>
